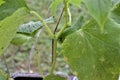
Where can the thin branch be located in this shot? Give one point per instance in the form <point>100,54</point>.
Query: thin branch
<point>55,32</point>
<point>59,20</point>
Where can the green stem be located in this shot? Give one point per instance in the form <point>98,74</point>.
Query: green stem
<point>46,26</point>
<point>54,55</point>
<point>67,18</point>
<point>38,62</point>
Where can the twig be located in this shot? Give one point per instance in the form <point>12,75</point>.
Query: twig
<point>55,32</point>
<point>59,20</point>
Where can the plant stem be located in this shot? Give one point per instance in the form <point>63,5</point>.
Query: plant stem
<point>55,32</point>
<point>58,21</point>
<point>67,18</point>
<point>46,26</point>
<point>38,55</point>
<point>54,43</point>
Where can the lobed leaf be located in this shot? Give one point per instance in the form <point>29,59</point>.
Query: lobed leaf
<point>99,10</point>
<point>93,55</point>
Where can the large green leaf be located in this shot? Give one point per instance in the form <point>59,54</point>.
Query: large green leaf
<point>54,77</point>
<point>9,25</point>
<point>115,14</point>
<point>99,10</point>
<point>9,7</point>
<point>93,55</point>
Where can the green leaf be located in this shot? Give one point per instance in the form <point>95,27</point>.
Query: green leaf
<point>2,2</point>
<point>115,14</point>
<point>9,26</point>
<point>99,10</point>
<point>78,24</point>
<point>31,27</point>
<point>75,2</point>
<point>54,77</point>
<point>9,7</point>
<point>20,39</point>
<point>54,5</point>
<point>93,55</point>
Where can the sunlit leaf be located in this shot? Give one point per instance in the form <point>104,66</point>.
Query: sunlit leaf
<point>93,55</point>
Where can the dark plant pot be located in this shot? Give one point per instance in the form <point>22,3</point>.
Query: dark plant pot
<point>35,76</point>
<point>26,76</point>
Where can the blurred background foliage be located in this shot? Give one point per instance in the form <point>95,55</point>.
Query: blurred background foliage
<point>17,56</point>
